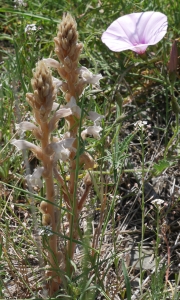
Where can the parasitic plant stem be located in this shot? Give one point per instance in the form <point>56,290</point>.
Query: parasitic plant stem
<point>52,151</point>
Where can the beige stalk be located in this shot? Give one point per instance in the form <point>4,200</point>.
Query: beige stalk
<point>41,101</point>
<point>68,51</point>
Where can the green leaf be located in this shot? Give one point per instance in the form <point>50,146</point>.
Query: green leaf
<point>161,166</point>
<point>127,282</point>
<point>28,14</point>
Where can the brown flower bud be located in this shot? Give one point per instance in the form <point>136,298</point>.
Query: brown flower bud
<point>44,92</point>
<point>87,180</point>
<point>46,219</point>
<point>173,62</point>
<point>86,160</point>
<point>43,207</point>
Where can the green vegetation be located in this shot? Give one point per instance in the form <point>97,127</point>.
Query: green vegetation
<point>135,252</point>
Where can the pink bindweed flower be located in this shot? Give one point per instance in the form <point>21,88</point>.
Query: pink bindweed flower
<point>135,31</point>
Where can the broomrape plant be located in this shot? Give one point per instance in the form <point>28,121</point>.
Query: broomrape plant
<point>53,151</point>
<point>65,151</point>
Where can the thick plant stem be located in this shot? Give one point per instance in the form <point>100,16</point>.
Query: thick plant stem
<point>73,227</point>
<point>73,217</point>
<point>52,251</point>
<point>50,195</point>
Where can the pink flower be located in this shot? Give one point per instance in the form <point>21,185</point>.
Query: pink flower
<point>135,31</point>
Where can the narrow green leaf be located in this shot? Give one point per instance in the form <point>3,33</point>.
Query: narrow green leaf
<point>127,282</point>
<point>28,14</point>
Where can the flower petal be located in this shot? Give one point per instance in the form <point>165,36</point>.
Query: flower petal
<point>89,77</point>
<point>62,155</point>
<point>58,83</point>
<point>30,27</point>
<point>23,126</point>
<point>62,113</point>
<point>95,117</point>
<point>74,107</point>
<point>22,144</point>
<point>34,179</point>
<point>59,114</point>
<point>157,201</point>
<point>52,63</point>
<point>61,149</point>
<point>55,106</point>
<point>152,27</point>
<point>135,31</point>
<point>91,130</point>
